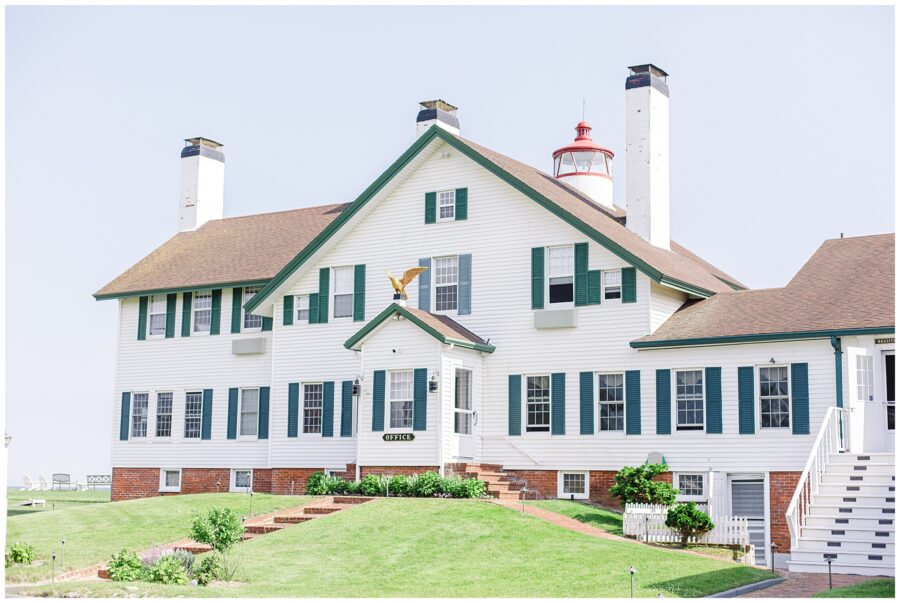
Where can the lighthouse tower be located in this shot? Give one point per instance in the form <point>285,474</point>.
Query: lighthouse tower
<point>586,165</point>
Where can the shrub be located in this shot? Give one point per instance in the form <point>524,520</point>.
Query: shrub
<point>125,567</point>
<point>471,488</point>
<point>636,485</point>
<point>689,521</point>
<point>220,528</point>
<point>315,484</point>
<point>20,553</point>
<point>427,484</point>
<point>167,570</point>
<point>186,559</point>
<point>352,488</point>
<point>399,485</point>
<point>372,485</point>
<point>210,568</point>
<point>152,556</point>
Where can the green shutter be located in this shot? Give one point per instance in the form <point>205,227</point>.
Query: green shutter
<point>800,398</point>
<point>237,296</point>
<point>215,314</point>
<point>581,274</point>
<point>378,401</point>
<point>263,431</point>
<point>713,399</point>
<point>313,308</point>
<point>746,417</point>
<point>586,396</point>
<point>420,399</point>
<point>171,301</point>
<point>430,208</point>
<point>142,317</point>
<point>633,402</point>
<point>359,292</point>
<point>464,287</point>
<point>425,285</point>
<point>324,280</point>
<point>629,285</point>
<point>558,403</point>
<point>288,314</point>
<point>346,409</point>
<point>515,405</point>
<point>664,401</point>
<point>593,287</point>
<point>233,394</point>
<point>186,300</point>
<point>125,416</point>
<point>206,416</point>
<point>266,323</point>
<point>328,409</point>
<point>293,408</point>
<point>537,278</point>
<point>462,203</point>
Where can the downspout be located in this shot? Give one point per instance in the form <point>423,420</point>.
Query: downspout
<point>838,370</point>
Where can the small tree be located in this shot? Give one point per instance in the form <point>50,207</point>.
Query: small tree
<point>220,528</point>
<point>689,521</point>
<point>636,485</point>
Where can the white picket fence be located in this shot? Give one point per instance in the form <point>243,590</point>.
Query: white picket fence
<point>648,523</point>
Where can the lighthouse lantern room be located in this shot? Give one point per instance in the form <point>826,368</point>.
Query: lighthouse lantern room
<point>586,166</point>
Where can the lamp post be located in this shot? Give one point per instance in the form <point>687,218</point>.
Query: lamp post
<point>632,571</point>
<point>829,560</point>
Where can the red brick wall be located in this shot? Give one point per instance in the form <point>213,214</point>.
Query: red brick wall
<point>283,478</point>
<point>130,482</point>
<point>781,489</point>
<point>198,481</point>
<point>385,470</point>
<point>541,484</point>
<point>601,482</point>
<point>262,480</point>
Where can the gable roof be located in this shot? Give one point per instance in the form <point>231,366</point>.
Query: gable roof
<point>231,251</point>
<point>846,287</point>
<point>443,328</point>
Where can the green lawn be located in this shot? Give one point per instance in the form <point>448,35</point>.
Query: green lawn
<point>93,532</point>
<point>58,499</point>
<point>609,521</point>
<point>446,548</point>
<point>871,589</point>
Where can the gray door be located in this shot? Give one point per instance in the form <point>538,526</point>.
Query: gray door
<point>748,500</point>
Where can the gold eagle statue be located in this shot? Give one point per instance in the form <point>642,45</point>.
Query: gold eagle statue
<point>399,285</point>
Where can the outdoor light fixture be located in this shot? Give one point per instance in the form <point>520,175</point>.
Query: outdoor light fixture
<point>433,384</point>
<point>356,387</point>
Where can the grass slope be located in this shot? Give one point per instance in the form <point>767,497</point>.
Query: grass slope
<point>609,521</point>
<point>59,499</point>
<point>882,588</point>
<point>447,548</point>
<point>94,532</point>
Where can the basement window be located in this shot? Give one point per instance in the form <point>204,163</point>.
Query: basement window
<point>241,480</point>
<point>690,486</point>
<point>572,484</point>
<point>170,480</point>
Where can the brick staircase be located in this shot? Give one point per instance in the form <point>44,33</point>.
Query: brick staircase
<point>500,484</point>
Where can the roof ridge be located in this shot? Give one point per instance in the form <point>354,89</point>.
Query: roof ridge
<point>270,213</point>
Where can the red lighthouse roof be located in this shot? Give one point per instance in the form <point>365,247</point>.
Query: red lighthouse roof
<point>583,142</point>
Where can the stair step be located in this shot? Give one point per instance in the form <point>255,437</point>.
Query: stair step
<point>263,528</point>
<point>351,500</point>
<point>196,548</point>
<point>878,559</point>
<point>838,544</point>
<point>821,567</point>
<point>852,533</point>
<point>843,478</point>
<point>293,518</point>
<point>320,510</point>
<point>855,498</point>
<point>855,489</point>
<point>885,511</point>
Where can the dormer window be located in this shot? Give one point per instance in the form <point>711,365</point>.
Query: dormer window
<point>561,274</point>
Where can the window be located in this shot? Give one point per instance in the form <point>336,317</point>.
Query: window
<point>139,416</point>
<point>202,311</point>
<point>302,304</point>
<point>446,205</point>
<point>889,389</point>
<point>170,480</point>
<point>774,401</point>
<point>164,414</point>
<point>241,480</point>
<point>573,484</point>
<point>193,409</point>
<point>688,400</point>
<point>249,412</point>
<point>401,399</point>
<point>157,314</point>
<point>865,378</point>
<point>446,278</point>
<point>312,408</point>
<point>611,390</point>
<point>690,486</point>
<point>463,418</point>
<point>537,400</point>
<point>612,284</point>
<point>343,292</point>
<point>251,321</point>
<point>562,274</point>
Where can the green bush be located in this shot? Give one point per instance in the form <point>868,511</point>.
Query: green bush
<point>471,488</point>
<point>636,485</point>
<point>689,521</point>
<point>20,553</point>
<point>427,484</point>
<point>399,485</point>
<point>220,528</point>
<point>352,488</point>
<point>125,567</point>
<point>186,559</point>
<point>167,570</point>
<point>210,568</point>
<point>315,484</point>
<point>372,485</point>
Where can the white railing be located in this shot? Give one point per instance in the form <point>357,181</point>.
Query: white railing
<point>648,523</point>
<point>833,437</point>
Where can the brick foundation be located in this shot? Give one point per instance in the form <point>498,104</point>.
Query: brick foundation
<point>540,484</point>
<point>199,481</point>
<point>284,479</point>
<point>130,482</point>
<point>601,482</point>
<point>781,489</point>
<point>262,480</point>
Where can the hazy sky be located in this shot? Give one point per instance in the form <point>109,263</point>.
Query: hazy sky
<point>782,129</point>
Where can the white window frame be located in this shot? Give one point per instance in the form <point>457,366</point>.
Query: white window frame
<point>240,417</point>
<point>194,311</point>
<point>199,435</point>
<point>435,285</point>
<point>440,202</point>
<point>865,378</point>
<point>233,487</point>
<point>134,415</point>
<point>162,480</point>
<point>561,485</point>
<point>690,427</point>
<point>245,297</point>
<point>151,314</point>
<point>299,302</point>
<point>303,408</point>
<point>618,287</point>
<point>171,415</point>
<point>598,402</point>
<point>552,275</point>
<point>470,412</point>
<point>411,399</point>
<point>549,377</point>
<point>758,396</point>
<point>334,292</point>
<point>676,478</point>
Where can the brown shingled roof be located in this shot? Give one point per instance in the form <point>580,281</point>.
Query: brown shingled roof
<point>847,285</point>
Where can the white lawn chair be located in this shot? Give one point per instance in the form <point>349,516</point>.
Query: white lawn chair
<point>29,483</point>
<point>45,485</point>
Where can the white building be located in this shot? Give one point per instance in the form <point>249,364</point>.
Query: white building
<point>554,339</point>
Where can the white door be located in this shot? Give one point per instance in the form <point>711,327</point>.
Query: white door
<point>887,410</point>
<point>464,415</point>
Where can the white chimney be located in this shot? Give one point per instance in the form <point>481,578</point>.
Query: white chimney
<point>647,153</point>
<point>202,183</point>
<point>436,112</point>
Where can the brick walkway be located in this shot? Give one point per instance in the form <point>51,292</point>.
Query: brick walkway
<point>559,519</point>
<point>802,584</point>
